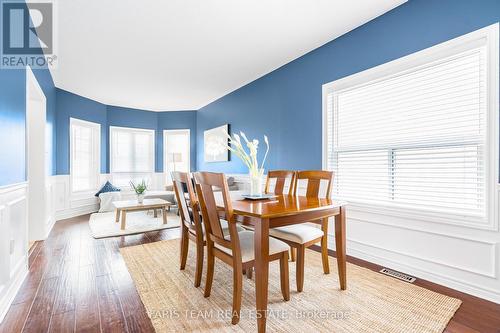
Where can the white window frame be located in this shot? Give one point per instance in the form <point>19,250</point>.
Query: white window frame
<point>165,159</point>
<point>487,36</point>
<point>96,128</point>
<point>131,129</point>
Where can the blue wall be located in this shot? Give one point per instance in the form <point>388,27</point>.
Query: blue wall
<point>12,126</point>
<point>70,105</point>
<point>13,123</point>
<point>286,103</point>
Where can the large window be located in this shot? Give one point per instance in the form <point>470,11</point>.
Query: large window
<point>84,155</point>
<point>416,133</point>
<point>132,154</point>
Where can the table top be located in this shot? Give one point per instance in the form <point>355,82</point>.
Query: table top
<point>147,203</point>
<point>281,205</point>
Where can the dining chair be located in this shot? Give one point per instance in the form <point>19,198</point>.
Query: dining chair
<point>281,177</point>
<point>191,225</point>
<point>302,236</point>
<point>234,248</point>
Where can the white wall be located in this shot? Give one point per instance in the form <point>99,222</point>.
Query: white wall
<point>459,256</point>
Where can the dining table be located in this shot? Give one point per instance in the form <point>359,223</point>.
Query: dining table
<point>283,210</point>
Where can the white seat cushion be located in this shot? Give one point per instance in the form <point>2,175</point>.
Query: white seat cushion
<point>165,195</point>
<point>247,249</point>
<point>297,233</point>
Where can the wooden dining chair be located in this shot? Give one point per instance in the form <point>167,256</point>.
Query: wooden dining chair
<point>301,236</point>
<point>191,225</point>
<point>281,177</point>
<point>235,248</point>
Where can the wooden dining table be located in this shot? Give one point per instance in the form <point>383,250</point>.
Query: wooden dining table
<point>281,211</point>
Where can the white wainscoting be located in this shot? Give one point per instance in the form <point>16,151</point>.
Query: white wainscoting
<point>457,256</point>
<point>13,242</point>
<point>68,204</point>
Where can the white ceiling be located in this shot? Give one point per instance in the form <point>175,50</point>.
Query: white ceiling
<point>168,55</point>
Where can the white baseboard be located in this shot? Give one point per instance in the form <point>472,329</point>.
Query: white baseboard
<point>76,211</point>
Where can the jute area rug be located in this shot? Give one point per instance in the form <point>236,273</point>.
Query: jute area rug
<point>103,225</point>
<point>372,302</point>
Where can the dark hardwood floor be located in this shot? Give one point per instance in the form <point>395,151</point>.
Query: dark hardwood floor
<point>77,283</point>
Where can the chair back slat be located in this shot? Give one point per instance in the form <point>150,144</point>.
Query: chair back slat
<point>314,178</point>
<point>205,183</point>
<point>281,177</point>
<point>183,185</point>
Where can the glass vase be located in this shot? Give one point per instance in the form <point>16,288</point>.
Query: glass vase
<point>255,184</point>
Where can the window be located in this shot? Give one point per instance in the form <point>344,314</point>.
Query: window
<point>177,151</point>
<point>132,155</point>
<point>84,155</point>
<point>417,132</point>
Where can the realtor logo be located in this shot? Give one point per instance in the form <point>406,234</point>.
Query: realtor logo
<point>27,34</point>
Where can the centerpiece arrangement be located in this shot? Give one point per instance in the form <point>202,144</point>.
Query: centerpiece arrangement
<point>255,171</point>
<point>139,189</point>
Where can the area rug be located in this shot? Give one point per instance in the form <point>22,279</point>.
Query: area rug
<point>103,225</point>
<point>372,302</point>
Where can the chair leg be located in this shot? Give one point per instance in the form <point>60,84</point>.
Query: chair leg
<point>301,252</point>
<point>249,272</point>
<point>324,247</point>
<point>284,277</point>
<point>210,270</point>
<point>237,290</point>
<point>293,251</point>
<point>199,262</point>
<point>184,246</point>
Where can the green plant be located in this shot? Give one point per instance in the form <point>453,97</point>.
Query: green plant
<point>140,188</point>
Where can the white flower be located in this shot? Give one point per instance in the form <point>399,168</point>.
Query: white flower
<point>250,157</point>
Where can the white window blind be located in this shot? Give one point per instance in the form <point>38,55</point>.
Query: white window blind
<point>84,155</point>
<point>416,138</point>
<point>132,154</point>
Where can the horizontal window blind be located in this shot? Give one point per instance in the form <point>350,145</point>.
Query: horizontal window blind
<point>132,154</point>
<point>415,139</point>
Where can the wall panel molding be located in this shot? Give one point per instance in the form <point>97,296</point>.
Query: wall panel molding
<point>13,242</point>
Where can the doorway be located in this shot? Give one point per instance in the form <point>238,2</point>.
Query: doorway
<point>36,159</point>
<point>177,150</point>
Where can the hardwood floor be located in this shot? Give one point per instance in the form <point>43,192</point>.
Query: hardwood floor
<point>77,283</point>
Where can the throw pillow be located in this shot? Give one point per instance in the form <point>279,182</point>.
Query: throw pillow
<point>108,187</point>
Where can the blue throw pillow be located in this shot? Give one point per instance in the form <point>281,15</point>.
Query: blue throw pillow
<point>108,187</point>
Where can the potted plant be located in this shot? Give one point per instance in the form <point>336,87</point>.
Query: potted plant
<point>139,189</point>
<point>250,159</point>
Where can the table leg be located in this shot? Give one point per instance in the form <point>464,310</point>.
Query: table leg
<point>340,244</point>
<point>124,219</point>
<point>261,248</point>
<point>117,218</point>
<point>164,215</point>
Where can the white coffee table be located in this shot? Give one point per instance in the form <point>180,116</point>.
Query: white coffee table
<point>126,206</point>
